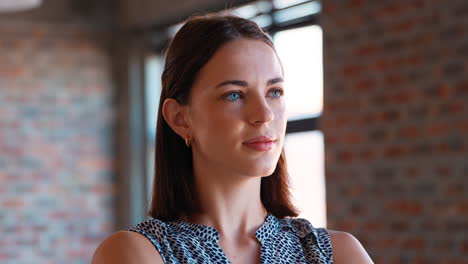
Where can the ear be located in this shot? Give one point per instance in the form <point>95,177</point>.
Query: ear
<point>175,115</point>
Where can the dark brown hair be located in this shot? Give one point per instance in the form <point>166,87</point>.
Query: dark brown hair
<point>190,49</point>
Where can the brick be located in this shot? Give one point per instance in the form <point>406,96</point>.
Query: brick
<point>364,85</point>
<point>44,168</point>
<point>443,245</point>
<point>418,4</point>
<point>456,225</point>
<point>393,45</point>
<point>384,173</point>
<point>452,108</point>
<point>385,243</point>
<point>344,121</point>
<point>345,225</point>
<point>465,246</point>
<point>368,118</point>
<point>355,3</point>
<point>443,171</point>
<point>352,138</point>
<point>11,72</point>
<point>462,126</point>
<point>394,80</point>
<point>412,172</point>
<point>400,226</point>
<point>462,88</point>
<point>329,8</point>
<point>353,70</point>
<point>418,112</point>
<point>453,31</point>
<point>421,40</point>
<point>416,244</point>
<point>455,190</point>
<point>366,50</point>
<point>381,99</point>
<point>358,210</point>
<point>356,190</point>
<point>441,90</point>
<point>410,132</point>
<point>390,115</point>
<point>404,207</point>
<point>343,105</point>
<point>404,97</point>
<point>424,189</point>
<point>438,129</point>
<point>382,65</point>
<point>450,145</point>
<point>345,156</point>
<point>463,207</point>
<point>393,9</point>
<point>373,225</point>
<point>379,135</point>
<point>453,69</point>
<point>403,26</point>
<point>368,155</point>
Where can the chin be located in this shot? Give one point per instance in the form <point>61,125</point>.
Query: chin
<point>261,172</point>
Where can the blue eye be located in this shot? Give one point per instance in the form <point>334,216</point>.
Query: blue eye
<point>277,93</point>
<point>233,96</point>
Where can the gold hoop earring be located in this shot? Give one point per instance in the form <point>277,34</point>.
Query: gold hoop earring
<point>187,142</point>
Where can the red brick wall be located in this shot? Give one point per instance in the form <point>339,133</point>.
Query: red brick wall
<point>56,118</point>
<point>396,127</point>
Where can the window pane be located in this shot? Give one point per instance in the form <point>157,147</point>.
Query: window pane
<point>263,21</point>
<point>305,159</point>
<point>279,4</point>
<point>300,51</point>
<point>154,68</point>
<point>297,12</point>
<point>250,10</point>
<point>253,9</point>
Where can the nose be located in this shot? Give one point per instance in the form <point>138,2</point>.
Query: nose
<point>259,111</point>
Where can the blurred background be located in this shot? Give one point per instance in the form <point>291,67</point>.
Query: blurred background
<point>377,136</point>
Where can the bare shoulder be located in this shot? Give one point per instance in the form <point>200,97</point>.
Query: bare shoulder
<point>347,248</point>
<point>125,247</point>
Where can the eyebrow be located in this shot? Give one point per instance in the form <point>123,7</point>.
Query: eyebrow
<point>245,84</point>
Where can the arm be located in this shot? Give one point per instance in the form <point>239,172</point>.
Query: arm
<point>347,249</point>
<point>126,247</point>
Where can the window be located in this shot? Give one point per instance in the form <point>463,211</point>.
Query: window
<point>298,39</point>
<point>154,68</point>
<point>300,50</point>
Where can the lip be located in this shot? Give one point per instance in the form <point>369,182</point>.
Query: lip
<point>261,139</point>
<point>262,143</point>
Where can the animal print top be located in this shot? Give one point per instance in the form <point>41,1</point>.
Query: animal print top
<point>288,240</point>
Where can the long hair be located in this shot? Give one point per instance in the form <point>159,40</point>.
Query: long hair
<point>190,49</point>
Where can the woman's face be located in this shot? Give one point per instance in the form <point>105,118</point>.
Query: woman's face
<point>237,110</point>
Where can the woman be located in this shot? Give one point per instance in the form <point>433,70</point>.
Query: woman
<point>220,189</point>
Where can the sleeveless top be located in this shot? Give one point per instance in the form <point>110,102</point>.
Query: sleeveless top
<point>288,240</point>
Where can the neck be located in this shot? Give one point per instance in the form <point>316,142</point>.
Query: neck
<point>230,204</point>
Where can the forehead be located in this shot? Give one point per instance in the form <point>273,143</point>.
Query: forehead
<point>242,58</point>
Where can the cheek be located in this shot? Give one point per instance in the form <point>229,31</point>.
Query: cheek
<point>211,122</point>
<point>280,113</point>
<point>281,122</point>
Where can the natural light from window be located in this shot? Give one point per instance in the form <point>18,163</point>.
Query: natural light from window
<point>154,68</point>
<point>300,51</point>
<point>304,156</point>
